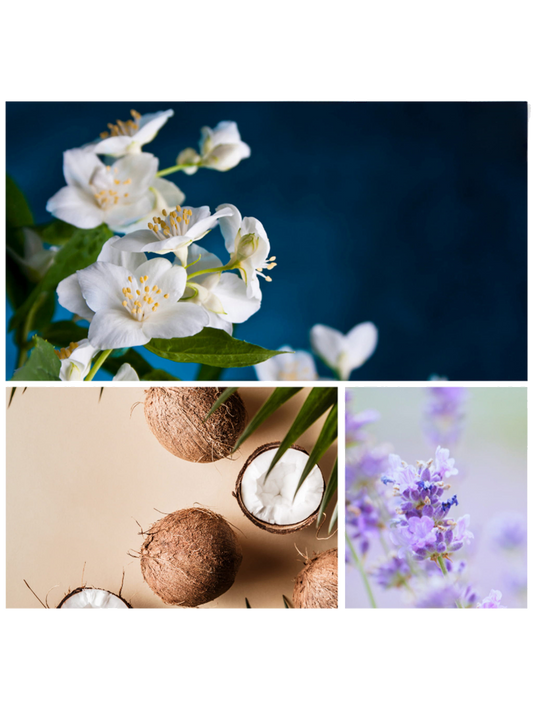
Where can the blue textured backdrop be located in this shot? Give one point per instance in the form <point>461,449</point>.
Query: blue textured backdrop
<point>412,215</point>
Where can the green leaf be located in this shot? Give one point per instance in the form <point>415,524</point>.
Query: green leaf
<point>18,213</point>
<point>213,347</point>
<point>55,232</point>
<point>247,603</point>
<point>280,396</point>
<point>18,286</point>
<point>286,602</point>
<point>80,252</point>
<point>223,397</point>
<point>209,373</point>
<point>331,488</point>
<point>157,374</point>
<point>333,518</point>
<point>42,364</point>
<point>11,396</point>
<point>327,437</point>
<point>44,310</point>
<point>63,333</point>
<point>316,404</point>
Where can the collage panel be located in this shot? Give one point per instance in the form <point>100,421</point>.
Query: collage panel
<point>436,497</point>
<point>267,241</point>
<point>172,497</point>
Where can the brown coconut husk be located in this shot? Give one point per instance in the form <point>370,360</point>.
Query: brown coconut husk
<point>176,417</point>
<point>93,588</point>
<point>316,586</point>
<point>190,557</point>
<point>273,528</point>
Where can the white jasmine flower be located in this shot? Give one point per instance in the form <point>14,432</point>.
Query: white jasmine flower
<point>131,300</point>
<point>129,136</point>
<point>342,353</point>
<point>165,194</point>
<point>76,360</point>
<point>37,259</point>
<point>95,193</point>
<point>76,363</point>
<point>221,148</point>
<point>173,231</point>
<point>247,242</point>
<point>69,290</point>
<point>126,373</point>
<point>297,366</point>
<point>222,295</point>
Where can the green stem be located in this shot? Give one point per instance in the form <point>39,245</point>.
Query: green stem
<point>174,169</point>
<point>362,572</point>
<point>27,329</point>
<point>97,364</point>
<point>211,270</point>
<point>442,565</point>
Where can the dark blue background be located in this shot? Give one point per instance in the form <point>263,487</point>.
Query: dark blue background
<point>411,215</point>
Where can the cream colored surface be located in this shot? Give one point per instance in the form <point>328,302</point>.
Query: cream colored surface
<point>84,476</point>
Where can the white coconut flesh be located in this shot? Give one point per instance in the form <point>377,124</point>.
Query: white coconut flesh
<point>272,501</point>
<point>94,598</point>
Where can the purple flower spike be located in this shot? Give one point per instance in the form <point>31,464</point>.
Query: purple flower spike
<point>425,529</point>
<point>492,600</point>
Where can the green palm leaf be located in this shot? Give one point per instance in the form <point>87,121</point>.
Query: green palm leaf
<point>331,488</point>
<point>316,404</point>
<point>280,396</point>
<point>327,437</point>
<point>223,397</point>
<point>333,518</point>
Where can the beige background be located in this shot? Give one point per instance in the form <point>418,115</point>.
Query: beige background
<point>80,472</point>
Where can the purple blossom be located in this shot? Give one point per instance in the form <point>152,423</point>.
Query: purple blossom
<point>492,600</point>
<point>444,592</point>
<point>424,528</point>
<point>363,520</point>
<point>444,414</point>
<point>355,424</point>
<point>393,573</point>
<point>508,531</point>
<point>366,464</point>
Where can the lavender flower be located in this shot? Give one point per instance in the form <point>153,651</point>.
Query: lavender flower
<point>492,600</point>
<point>392,573</point>
<point>444,592</point>
<point>355,424</point>
<point>365,464</point>
<point>424,528</point>
<point>444,414</point>
<point>508,531</point>
<point>363,521</point>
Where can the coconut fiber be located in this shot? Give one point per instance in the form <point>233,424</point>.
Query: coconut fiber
<point>190,557</point>
<point>176,417</point>
<point>317,584</point>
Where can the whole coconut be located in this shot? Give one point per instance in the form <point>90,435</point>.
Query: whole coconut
<point>190,557</point>
<point>176,417</point>
<point>317,584</point>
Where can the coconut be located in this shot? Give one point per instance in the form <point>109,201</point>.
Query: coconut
<point>271,504</point>
<point>87,597</point>
<point>176,417</point>
<point>190,557</point>
<point>316,586</point>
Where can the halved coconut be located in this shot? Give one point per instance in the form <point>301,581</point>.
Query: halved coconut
<point>271,504</point>
<point>316,586</point>
<point>177,417</point>
<point>86,597</point>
